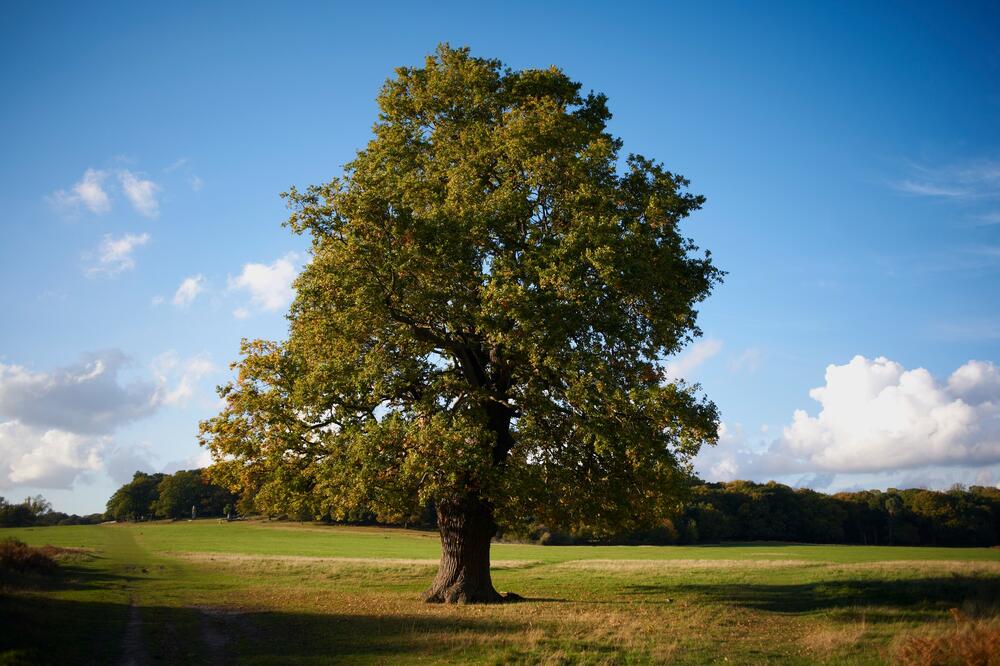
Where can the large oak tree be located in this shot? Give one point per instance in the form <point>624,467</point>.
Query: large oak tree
<point>483,324</point>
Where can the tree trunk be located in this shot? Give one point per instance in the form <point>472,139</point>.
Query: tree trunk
<point>463,576</point>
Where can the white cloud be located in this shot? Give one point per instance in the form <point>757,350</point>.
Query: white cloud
<point>85,398</point>
<point>46,458</point>
<point>56,426</point>
<point>685,365</point>
<point>114,255</point>
<point>878,418</point>
<point>976,382</point>
<point>196,183</point>
<point>269,285</point>
<point>188,290</point>
<point>88,193</point>
<point>140,193</point>
<point>876,415</point>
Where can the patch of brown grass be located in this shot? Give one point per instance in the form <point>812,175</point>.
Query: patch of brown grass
<point>677,565</point>
<point>826,640</point>
<point>368,562</point>
<point>18,557</point>
<point>967,643</point>
<point>959,567</point>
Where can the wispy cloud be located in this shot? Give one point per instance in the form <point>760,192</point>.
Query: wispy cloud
<point>141,193</point>
<point>183,165</point>
<point>188,290</point>
<point>114,255</point>
<point>685,365</point>
<point>975,179</point>
<point>748,360</point>
<point>987,219</point>
<point>88,193</point>
<point>175,165</point>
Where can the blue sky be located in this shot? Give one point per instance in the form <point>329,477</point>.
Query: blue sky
<point>850,155</point>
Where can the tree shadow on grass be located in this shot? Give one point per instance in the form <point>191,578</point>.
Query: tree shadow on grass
<point>81,614</point>
<point>43,630</point>
<point>915,598</point>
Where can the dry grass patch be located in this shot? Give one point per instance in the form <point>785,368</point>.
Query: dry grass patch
<point>909,567</point>
<point>18,557</point>
<point>241,559</point>
<point>966,643</point>
<point>653,566</point>
<point>825,640</point>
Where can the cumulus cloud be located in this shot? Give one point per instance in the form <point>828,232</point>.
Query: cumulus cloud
<point>269,285</point>
<point>140,192</point>
<point>46,458</point>
<point>877,417</point>
<point>685,365</point>
<point>188,290</point>
<point>88,193</point>
<point>976,382</point>
<point>114,255</point>
<point>58,425</point>
<point>85,398</point>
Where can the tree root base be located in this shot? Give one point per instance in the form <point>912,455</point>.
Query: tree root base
<point>453,596</point>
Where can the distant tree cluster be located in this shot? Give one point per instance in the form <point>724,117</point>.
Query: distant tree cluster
<point>742,511</point>
<point>748,511</point>
<point>36,511</point>
<point>149,496</point>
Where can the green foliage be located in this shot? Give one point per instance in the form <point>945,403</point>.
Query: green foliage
<point>177,493</point>
<point>38,511</point>
<point>746,511</point>
<point>134,500</point>
<point>168,496</point>
<point>486,314</point>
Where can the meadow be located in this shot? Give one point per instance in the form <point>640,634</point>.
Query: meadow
<point>288,593</point>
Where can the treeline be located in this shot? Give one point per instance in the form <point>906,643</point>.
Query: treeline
<point>743,511</point>
<point>712,513</point>
<point>36,511</point>
<point>184,494</point>
<point>748,511</point>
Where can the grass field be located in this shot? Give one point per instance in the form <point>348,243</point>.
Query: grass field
<point>282,593</point>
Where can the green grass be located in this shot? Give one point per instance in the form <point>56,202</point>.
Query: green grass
<point>282,593</point>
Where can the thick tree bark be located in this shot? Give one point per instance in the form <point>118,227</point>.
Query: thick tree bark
<point>463,577</point>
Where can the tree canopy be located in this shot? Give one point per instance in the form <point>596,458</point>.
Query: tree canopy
<point>484,322</point>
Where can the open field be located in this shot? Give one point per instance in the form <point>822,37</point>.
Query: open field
<point>280,593</point>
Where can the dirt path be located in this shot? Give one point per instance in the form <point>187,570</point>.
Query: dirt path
<point>214,634</point>
<point>133,647</point>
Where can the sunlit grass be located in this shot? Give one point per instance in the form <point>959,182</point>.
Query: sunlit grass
<point>283,593</point>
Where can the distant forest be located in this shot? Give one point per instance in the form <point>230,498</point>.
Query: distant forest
<point>713,512</point>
